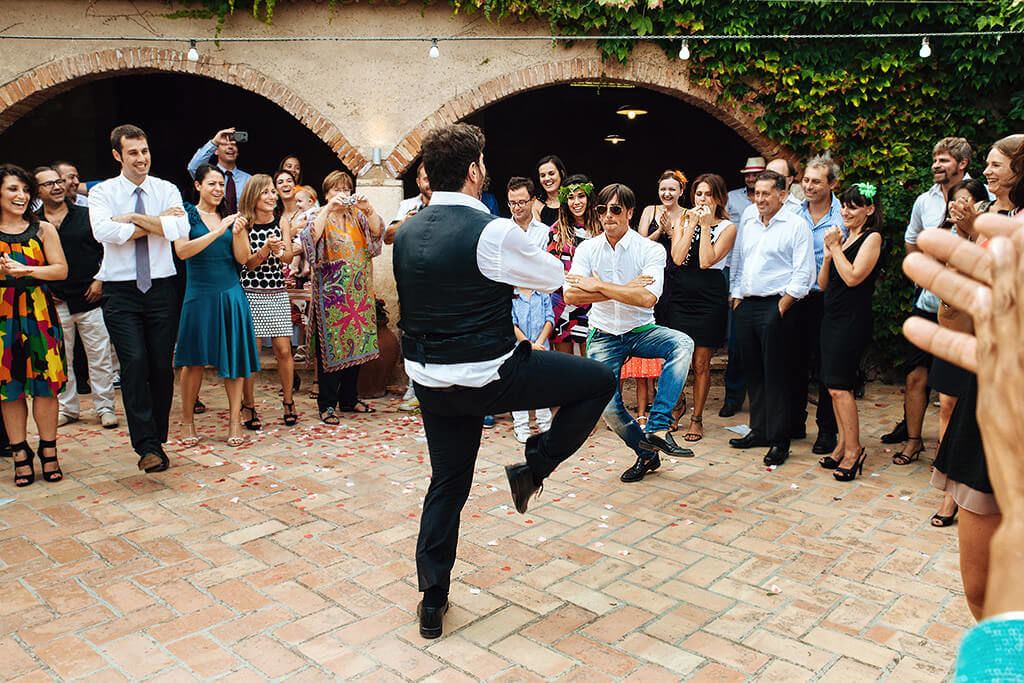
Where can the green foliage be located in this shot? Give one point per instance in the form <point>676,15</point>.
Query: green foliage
<point>874,103</point>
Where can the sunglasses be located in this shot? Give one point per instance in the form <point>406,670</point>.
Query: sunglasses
<point>602,209</point>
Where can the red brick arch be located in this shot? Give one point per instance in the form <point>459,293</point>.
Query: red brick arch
<point>671,78</point>
<point>32,88</point>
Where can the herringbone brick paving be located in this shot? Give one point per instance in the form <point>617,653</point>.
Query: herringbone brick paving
<point>292,558</point>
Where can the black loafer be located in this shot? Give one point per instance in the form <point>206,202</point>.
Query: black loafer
<point>824,444</point>
<point>751,440</point>
<point>897,435</point>
<point>431,620</point>
<point>728,410</point>
<point>154,462</point>
<point>776,455</point>
<point>520,481</point>
<point>666,445</point>
<point>640,468</point>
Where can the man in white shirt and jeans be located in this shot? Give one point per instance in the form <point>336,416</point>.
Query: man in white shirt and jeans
<point>456,267</point>
<point>772,268</point>
<point>622,275</point>
<point>136,217</point>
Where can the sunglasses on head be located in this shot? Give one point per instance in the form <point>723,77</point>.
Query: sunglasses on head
<point>602,209</point>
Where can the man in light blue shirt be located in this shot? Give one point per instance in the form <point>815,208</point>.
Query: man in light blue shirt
<point>225,148</point>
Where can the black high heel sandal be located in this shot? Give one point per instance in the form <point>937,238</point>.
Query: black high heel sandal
<point>940,521</point>
<point>829,463</point>
<point>902,458</point>
<point>21,480</point>
<point>290,416</point>
<point>253,424</point>
<point>44,460</point>
<point>842,474</point>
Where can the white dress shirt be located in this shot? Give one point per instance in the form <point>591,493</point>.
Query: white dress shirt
<point>503,254</point>
<point>538,233</point>
<point>116,197</point>
<point>773,259</point>
<point>407,206</point>
<point>631,257</point>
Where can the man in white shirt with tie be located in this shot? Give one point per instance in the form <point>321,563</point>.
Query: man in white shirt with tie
<point>772,268</point>
<point>225,148</point>
<point>136,218</point>
<point>622,275</point>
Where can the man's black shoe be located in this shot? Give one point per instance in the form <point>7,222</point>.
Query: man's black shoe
<point>897,435</point>
<point>798,433</point>
<point>520,481</point>
<point>728,409</point>
<point>431,619</point>
<point>824,444</point>
<point>751,440</point>
<point>776,455</point>
<point>666,445</point>
<point>154,462</point>
<point>640,468</point>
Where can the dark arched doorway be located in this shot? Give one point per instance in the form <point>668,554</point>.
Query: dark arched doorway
<point>179,112</point>
<point>572,122</point>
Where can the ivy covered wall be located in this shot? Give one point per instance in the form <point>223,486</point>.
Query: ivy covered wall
<point>874,103</point>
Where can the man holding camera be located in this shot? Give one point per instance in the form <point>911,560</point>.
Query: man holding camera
<point>224,146</point>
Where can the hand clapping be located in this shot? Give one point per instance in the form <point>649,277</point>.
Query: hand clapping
<point>833,237</point>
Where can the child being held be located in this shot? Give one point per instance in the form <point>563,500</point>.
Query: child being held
<point>533,320</point>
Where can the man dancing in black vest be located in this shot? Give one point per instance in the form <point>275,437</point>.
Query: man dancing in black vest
<point>456,267</point>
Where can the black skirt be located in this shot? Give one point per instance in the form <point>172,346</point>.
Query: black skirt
<point>843,342</point>
<point>947,378</point>
<point>699,305</point>
<point>961,455</point>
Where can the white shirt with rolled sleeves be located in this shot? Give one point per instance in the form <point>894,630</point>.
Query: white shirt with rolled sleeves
<point>631,257</point>
<point>504,254</point>
<point>116,197</point>
<point>772,260</point>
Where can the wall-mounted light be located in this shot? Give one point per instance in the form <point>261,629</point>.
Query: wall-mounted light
<point>630,111</point>
<point>434,51</point>
<point>684,50</point>
<point>376,156</point>
<point>926,49</point>
<point>614,138</point>
<point>193,53</point>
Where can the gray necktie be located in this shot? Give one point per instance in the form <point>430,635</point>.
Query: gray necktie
<point>142,278</point>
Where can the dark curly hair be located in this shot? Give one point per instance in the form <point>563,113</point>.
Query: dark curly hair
<point>24,176</point>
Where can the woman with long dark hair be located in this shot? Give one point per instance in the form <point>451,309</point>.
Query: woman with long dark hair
<point>215,327</point>
<point>847,276</point>
<point>31,340</point>
<point>550,177</point>
<point>577,221</point>
<point>292,164</point>
<point>287,203</point>
<point>699,297</point>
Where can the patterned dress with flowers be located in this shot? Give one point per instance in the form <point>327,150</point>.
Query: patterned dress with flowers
<point>31,339</point>
<point>343,309</point>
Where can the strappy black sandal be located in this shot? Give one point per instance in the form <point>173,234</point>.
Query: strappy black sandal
<point>329,418</point>
<point>902,458</point>
<point>21,480</point>
<point>355,408</point>
<point>44,460</point>
<point>691,435</point>
<point>199,408</point>
<point>290,416</point>
<point>254,423</point>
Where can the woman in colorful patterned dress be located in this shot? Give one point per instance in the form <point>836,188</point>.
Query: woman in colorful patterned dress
<point>31,341</point>
<point>577,221</point>
<point>339,245</point>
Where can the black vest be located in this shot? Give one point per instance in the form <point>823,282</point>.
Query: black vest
<point>451,313</point>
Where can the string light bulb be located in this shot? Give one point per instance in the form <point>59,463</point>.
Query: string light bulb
<point>684,50</point>
<point>193,53</point>
<point>926,49</point>
<point>434,51</point>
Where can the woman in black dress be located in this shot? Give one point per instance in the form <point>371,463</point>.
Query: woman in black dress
<point>550,176</point>
<point>699,299</point>
<point>848,276</point>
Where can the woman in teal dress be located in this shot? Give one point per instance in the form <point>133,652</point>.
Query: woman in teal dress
<point>216,325</point>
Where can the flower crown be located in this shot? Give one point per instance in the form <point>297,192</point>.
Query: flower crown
<point>867,190</point>
<point>563,192</point>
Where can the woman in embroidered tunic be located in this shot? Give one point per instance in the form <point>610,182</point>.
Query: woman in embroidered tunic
<point>339,245</point>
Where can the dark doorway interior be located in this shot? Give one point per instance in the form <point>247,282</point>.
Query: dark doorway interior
<point>572,122</point>
<point>178,112</point>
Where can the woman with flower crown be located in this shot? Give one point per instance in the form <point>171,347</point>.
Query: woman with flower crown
<point>577,221</point>
<point>847,277</point>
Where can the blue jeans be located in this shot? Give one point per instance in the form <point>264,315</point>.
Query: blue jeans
<point>673,347</point>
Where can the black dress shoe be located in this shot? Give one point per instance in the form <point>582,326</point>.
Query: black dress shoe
<point>728,410</point>
<point>824,444</point>
<point>431,620</point>
<point>666,445</point>
<point>154,462</point>
<point>640,468</point>
<point>776,455</point>
<point>520,481</point>
<point>751,440</point>
<point>798,433</point>
<point>897,435</point>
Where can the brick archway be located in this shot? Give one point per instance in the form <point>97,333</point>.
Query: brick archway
<point>669,79</point>
<point>32,88</point>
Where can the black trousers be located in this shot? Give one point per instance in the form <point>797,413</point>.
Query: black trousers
<point>337,388</point>
<point>453,421</point>
<point>806,355</point>
<point>141,329</point>
<point>763,337</point>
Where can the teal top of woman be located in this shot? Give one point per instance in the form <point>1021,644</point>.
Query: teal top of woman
<point>993,650</point>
